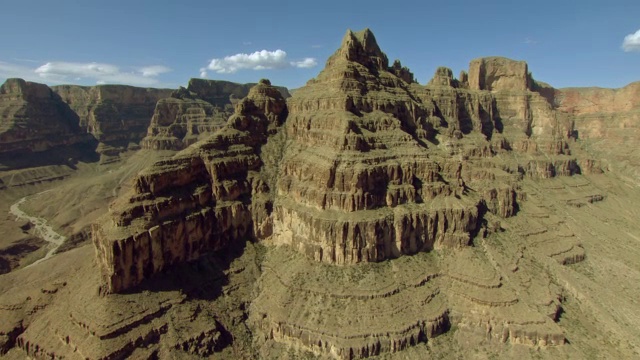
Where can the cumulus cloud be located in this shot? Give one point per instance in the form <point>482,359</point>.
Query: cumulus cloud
<point>155,70</point>
<point>259,60</point>
<point>85,73</point>
<point>64,69</point>
<point>306,63</point>
<point>631,42</point>
<point>101,73</point>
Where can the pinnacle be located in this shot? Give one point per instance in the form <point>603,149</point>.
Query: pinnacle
<point>362,47</point>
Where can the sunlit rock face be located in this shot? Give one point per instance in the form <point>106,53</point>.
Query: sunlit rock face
<point>112,113</point>
<point>193,113</point>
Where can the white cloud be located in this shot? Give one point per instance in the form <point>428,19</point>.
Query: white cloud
<point>100,73</point>
<point>203,73</point>
<point>73,72</point>
<point>306,63</point>
<point>631,42</point>
<point>64,69</point>
<point>155,70</point>
<point>259,60</point>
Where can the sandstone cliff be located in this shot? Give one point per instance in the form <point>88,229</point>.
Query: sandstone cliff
<point>33,118</point>
<point>112,113</point>
<point>191,114</point>
<point>220,186</point>
<point>607,122</point>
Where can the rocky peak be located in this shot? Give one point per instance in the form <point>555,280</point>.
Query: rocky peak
<point>361,47</point>
<point>463,79</point>
<point>263,100</point>
<point>402,72</point>
<point>443,77</point>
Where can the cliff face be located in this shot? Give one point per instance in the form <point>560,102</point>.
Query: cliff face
<point>33,118</point>
<point>221,197</point>
<point>112,113</point>
<point>368,166</point>
<point>607,120</point>
<point>361,165</point>
<point>194,113</point>
<point>497,73</point>
<point>357,182</point>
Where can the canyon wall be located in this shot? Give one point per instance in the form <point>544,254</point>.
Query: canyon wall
<point>33,118</point>
<point>205,197</point>
<point>195,112</point>
<point>112,113</point>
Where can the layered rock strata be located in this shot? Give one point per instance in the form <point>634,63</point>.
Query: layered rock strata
<point>202,199</point>
<point>195,112</point>
<point>368,167</point>
<point>607,121</point>
<point>33,118</point>
<point>362,165</point>
<point>112,113</point>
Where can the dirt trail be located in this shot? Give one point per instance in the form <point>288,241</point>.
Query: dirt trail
<point>41,229</point>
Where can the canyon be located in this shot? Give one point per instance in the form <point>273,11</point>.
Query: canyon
<point>363,215</point>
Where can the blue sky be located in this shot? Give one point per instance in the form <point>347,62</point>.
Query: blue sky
<point>164,43</point>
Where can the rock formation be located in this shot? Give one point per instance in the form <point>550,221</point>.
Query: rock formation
<point>223,198</point>
<point>443,77</point>
<point>194,113</point>
<point>497,73</point>
<point>607,120</point>
<point>112,113</point>
<point>33,118</point>
<point>361,165</point>
<point>42,126</point>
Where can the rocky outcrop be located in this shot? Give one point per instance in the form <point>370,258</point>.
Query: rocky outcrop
<point>112,113</point>
<point>195,112</point>
<point>497,73</point>
<point>357,183</point>
<point>197,202</point>
<point>443,77</point>
<point>33,118</point>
